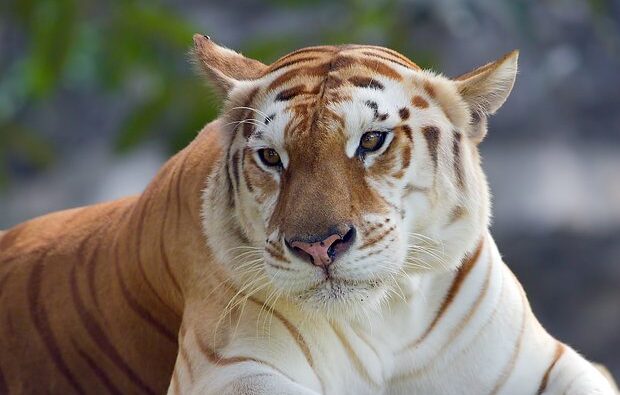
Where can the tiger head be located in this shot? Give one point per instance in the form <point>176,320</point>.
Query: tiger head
<point>346,169</point>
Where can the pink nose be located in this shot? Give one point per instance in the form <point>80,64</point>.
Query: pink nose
<point>323,252</point>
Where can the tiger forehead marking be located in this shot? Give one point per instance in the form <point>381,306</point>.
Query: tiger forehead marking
<point>306,88</point>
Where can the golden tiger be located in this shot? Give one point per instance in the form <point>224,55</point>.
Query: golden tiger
<point>328,234</point>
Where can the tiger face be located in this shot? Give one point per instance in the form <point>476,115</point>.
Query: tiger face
<point>347,170</point>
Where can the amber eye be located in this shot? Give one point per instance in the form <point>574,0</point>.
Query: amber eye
<point>269,157</point>
<point>372,141</point>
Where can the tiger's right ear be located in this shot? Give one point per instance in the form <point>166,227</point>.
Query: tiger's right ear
<point>224,67</point>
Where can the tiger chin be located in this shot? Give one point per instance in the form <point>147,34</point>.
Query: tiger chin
<point>327,234</point>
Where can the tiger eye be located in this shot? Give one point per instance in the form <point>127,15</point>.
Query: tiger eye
<point>269,157</point>
<point>371,141</point>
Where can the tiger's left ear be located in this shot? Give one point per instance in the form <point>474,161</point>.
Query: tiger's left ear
<point>485,89</point>
<point>224,67</point>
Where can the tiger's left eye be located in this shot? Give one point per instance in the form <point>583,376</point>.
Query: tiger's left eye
<point>269,157</point>
<point>372,141</point>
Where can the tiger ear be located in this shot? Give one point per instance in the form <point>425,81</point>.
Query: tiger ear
<point>485,89</point>
<point>223,67</point>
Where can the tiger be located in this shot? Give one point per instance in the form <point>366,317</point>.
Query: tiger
<point>327,234</point>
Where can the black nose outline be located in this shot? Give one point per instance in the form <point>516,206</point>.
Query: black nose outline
<point>337,249</point>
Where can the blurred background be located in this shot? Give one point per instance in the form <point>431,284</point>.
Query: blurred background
<point>94,96</point>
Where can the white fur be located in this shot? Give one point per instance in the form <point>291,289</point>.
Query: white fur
<point>385,302</point>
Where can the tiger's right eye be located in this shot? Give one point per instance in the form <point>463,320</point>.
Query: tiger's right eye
<point>269,157</point>
<point>372,141</point>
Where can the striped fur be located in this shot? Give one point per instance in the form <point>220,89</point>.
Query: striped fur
<point>190,287</point>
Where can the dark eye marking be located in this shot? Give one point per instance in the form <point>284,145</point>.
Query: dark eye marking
<point>404,113</point>
<point>407,130</point>
<point>372,104</point>
<point>235,167</point>
<point>269,119</point>
<point>375,108</point>
<point>456,152</point>
<point>366,82</point>
<point>290,93</point>
<point>431,134</point>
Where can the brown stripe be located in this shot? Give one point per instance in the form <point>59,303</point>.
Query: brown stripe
<point>247,153</point>
<point>406,156</point>
<point>403,113</point>
<point>235,168</point>
<point>277,255</point>
<point>304,51</point>
<point>507,371</point>
<point>456,214</point>
<point>248,115</point>
<point>331,82</point>
<point>387,59</point>
<point>230,184</point>
<point>217,359</point>
<point>393,53</point>
<point>98,335</point>
<point>91,275</point>
<point>140,263</point>
<point>431,134</point>
<point>357,362</point>
<point>380,68</point>
<point>280,65</point>
<point>140,311</point>
<point>456,152</point>
<point>319,70</point>
<point>229,174</point>
<point>290,93</point>
<point>407,130</point>
<point>99,372</point>
<point>366,82</point>
<point>340,62</point>
<point>162,247</point>
<point>460,277</point>
<point>179,178</point>
<point>418,101</point>
<point>276,246</point>
<point>294,332</point>
<point>429,89</point>
<point>40,319</point>
<point>280,267</point>
<point>410,188</point>
<point>559,350</point>
<point>375,240</point>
